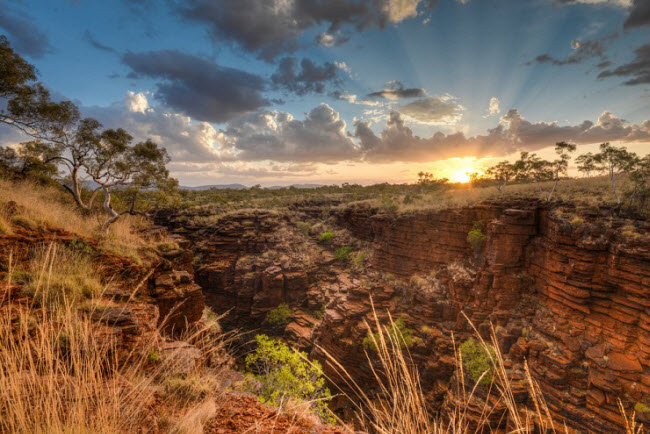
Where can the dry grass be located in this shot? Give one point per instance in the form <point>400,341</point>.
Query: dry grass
<point>400,407</point>
<point>589,191</point>
<point>61,373</point>
<point>37,207</point>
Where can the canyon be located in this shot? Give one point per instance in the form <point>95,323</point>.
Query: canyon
<point>565,290</point>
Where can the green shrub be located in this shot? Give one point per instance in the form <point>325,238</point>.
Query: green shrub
<point>167,247</point>
<point>154,356</point>
<point>279,316</point>
<point>326,237</point>
<point>304,227</point>
<point>287,374</point>
<point>79,246</point>
<point>388,205</point>
<point>476,238</point>
<point>359,259</point>
<point>397,332</point>
<point>641,408</point>
<point>343,253</point>
<point>478,359</point>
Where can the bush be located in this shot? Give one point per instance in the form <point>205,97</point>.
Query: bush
<point>190,388</point>
<point>326,237</point>
<point>304,227</point>
<point>478,359</point>
<point>279,316</point>
<point>397,332</point>
<point>287,374</point>
<point>641,408</point>
<point>24,222</point>
<point>476,238</point>
<point>343,253</point>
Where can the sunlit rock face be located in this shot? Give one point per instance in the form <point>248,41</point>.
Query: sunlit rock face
<point>566,292</point>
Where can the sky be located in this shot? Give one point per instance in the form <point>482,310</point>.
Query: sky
<point>278,92</point>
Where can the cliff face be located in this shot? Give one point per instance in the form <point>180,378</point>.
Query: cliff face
<point>569,294</point>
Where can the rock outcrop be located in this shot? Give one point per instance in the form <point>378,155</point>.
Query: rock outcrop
<point>567,291</point>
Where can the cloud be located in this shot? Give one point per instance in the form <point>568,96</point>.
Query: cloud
<point>272,27</point>
<point>277,136</point>
<point>582,50</point>
<point>184,139</point>
<point>308,78</point>
<point>25,37</point>
<point>332,39</point>
<point>434,110</point>
<point>397,142</point>
<point>197,87</point>
<point>638,70</point>
<point>353,99</point>
<point>96,44</point>
<point>494,106</point>
<point>395,90</point>
<point>639,14</point>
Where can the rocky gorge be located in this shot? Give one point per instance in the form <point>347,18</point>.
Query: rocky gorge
<point>566,291</point>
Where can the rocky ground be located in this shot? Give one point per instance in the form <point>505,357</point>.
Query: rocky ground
<point>567,290</point>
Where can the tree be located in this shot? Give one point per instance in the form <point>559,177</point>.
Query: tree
<point>502,173</point>
<point>586,163</point>
<point>559,167</point>
<point>112,162</point>
<point>427,181</point>
<point>640,177</point>
<point>611,160</point>
<point>29,106</point>
<point>531,168</point>
<point>287,374</point>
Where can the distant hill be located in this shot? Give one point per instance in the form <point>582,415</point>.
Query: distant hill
<point>243,187</point>
<point>217,187</point>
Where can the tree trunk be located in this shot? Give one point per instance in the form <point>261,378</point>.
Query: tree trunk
<point>75,190</point>
<point>550,195</point>
<point>611,178</point>
<point>109,209</point>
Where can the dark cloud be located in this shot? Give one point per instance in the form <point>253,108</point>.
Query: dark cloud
<point>395,90</point>
<point>398,143</point>
<point>306,77</point>
<point>272,27</point>
<point>96,44</point>
<point>638,70</point>
<point>198,87</point>
<point>639,14</point>
<point>25,37</point>
<point>435,110</point>
<point>604,64</point>
<point>321,137</point>
<point>582,50</point>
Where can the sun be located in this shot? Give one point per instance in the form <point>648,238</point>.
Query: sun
<point>461,175</point>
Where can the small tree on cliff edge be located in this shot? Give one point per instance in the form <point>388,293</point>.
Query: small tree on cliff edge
<point>610,160</point>
<point>560,166</point>
<point>112,162</point>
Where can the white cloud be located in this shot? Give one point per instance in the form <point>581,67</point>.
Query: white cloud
<point>136,102</point>
<point>400,10</point>
<point>494,106</point>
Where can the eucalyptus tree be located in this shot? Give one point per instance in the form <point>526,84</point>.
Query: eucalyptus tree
<point>560,166</point>
<point>611,160</point>
<point>502,173</point>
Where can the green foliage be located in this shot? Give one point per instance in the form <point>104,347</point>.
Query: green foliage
<point>641,408</point>
<point>167,247</point>
<point>478,359</point>
<point>359,259</point>
<point>476,238</point>
<point>326,237</point>
<point>154,356</point>
<point>304,227</point>
<point>397,332</point>
<point>388,205</point>
<point>287,374</point>
<point>343,253</point>
<point>80,247</point>
<point>279,316</point>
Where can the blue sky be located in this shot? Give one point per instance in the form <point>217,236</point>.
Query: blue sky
<point>205,79</point>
